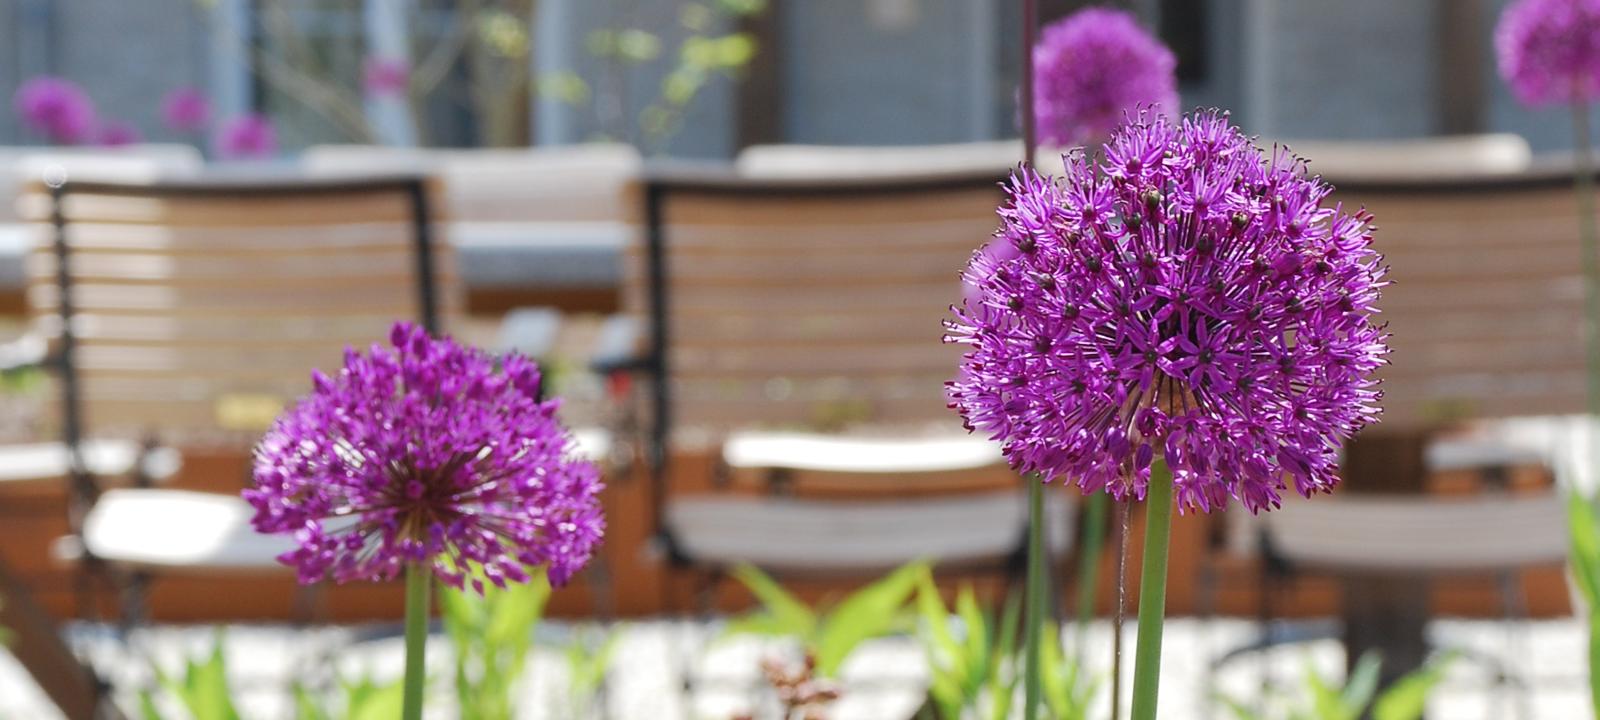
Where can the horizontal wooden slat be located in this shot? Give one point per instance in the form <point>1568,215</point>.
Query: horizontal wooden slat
<point>800,210</point>
<point>277,210</point>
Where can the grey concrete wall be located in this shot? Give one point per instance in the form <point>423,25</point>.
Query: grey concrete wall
<point>1353,69</point>
<point>891,72</point>
<point>127,55</point>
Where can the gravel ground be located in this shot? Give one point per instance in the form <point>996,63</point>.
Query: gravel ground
<point>884,679</point>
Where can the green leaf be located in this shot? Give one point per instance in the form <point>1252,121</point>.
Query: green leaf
<point>147,706</point>
<point>371,701</point>
<point>1238,708</point>
<point>565,86</point>
<point>869,612</point>
<point>695,17</point>
<point>306,706</point>
<point>1408,696</point>
<point>783,613</point>
<point>742,7</point>
<point>204,689</point>
<point>514,611</point>
<point>1583,523</point>
<point>1326,702</point>
<point>1361,686</point>
<point>637,45</point>
<point>1002,675</point>
<point>733,51</point>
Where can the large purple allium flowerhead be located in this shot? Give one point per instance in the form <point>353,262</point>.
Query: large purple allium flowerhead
<point>57,108</point>
<point>1091,68</point>
<point>427,452</point>
<point>186,110</point>
<point>1549,50</point>
<point>385,77</point>
<point>1192,299</point>
<point>246,137</point>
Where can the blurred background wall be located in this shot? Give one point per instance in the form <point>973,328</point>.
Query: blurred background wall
<point>823,71</point>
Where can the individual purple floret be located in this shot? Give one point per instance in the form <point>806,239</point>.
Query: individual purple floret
<point>1093,67</point>
<point>1194,300</point>
<point>246,137</point>
<point>1549,50</point>
<point>57,108</point>
<point>427,453</point>
<point>186,110</point>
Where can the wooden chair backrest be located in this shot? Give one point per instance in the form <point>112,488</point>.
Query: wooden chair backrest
<point>198,311</point>
<point>807,304</point>
<point>135,163</point>
<point>1486,309</point>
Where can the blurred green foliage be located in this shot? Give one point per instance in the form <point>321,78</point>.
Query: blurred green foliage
<point>829,634</point>
<point>1583,524</point>
<point>492,635</point>
<point>1320,700</point>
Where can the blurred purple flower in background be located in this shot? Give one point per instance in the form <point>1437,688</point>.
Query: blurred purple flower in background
<point>385,76</point>
<point>1549,50</point>
<point>57,108</point>
<point>426,453</point>
<point>1192,300</point>
<point>246,137</point>
<point>1092,68</point>
<point>186,110</point>
<point>117,133</point>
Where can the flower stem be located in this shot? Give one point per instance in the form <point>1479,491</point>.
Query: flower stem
<point>1152,596</point>
<point>1583,185</point>
<point>1034,617</point>
<point>418,583</point>
<point>1121,610</point>
<point>1091,544</point>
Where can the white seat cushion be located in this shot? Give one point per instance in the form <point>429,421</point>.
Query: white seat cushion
<point>827,453</point>
<point>1421,534</point>
<point>593,444</point>
<point>179,529</point>
<point>48,462</point>
<point>820,535</point>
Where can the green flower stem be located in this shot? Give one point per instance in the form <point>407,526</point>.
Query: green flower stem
<point>1583,183</point>
<point>418,585</point>
<point>1092,543</point>
<point>1152,596</point>
<point>1036,600</point>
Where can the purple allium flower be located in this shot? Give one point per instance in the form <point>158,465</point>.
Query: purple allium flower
<point>246,137</point>
<point>1093,67</point>
<point>1193,299</point>
<point>186,110</point>
<point>1549,50</point>
<point>385,76</point>
<point>56,107</point>
<point>118,133</point>
<point>426,453</point>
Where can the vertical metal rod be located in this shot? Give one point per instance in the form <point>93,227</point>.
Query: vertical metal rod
<point>659,365</point>
<point>1030,134</point>
<point>422,231</point>
<point>84,490</point>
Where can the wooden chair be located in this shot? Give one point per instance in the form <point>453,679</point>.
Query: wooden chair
<point>793,332</point>
<point>188,315</point>
<point>1486,317</point>
<point>185,315</point>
